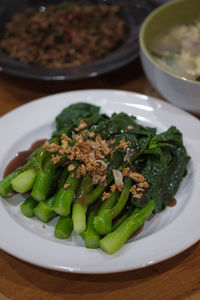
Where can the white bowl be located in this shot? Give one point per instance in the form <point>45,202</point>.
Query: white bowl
<point>178,90</point>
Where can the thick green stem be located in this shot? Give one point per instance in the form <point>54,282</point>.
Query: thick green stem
<point>23,182</point>
<point>45,175</point>
<point>63,228</point>
<point>113,241</point>
<point>108,203</point>
<point>86,186</point>
<point>92,196</point>
<point>42,184</point>
<point>99,219</point>
<point>62,179</point>
<point>65,196</point>
<point>122,199</point>
<point>85,197</point>
<point>6,183</point>
<point>79,217</point>
<point>123,218</point>
<point>44,212</point>
<point>27,207</point>
<point>80,209</point>
<point>91,236</point>
<point>103,223</point>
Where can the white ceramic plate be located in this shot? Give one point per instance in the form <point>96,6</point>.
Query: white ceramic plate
<point>165,235</point>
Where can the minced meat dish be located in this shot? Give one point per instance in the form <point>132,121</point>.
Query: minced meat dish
<point>63,35</point>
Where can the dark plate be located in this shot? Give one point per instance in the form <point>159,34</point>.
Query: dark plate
<point>134,12</point>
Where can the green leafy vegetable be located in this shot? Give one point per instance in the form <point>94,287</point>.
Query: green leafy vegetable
<point>103,179</point>
<point>74,113</point>
<point>163,164</point>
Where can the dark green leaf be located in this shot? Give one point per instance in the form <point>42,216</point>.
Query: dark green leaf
<point>163,164</point>
<point>74,113</point>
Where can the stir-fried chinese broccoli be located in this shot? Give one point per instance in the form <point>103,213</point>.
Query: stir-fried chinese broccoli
<point>102,176</point>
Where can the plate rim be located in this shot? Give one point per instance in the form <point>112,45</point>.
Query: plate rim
<point>92,270</point>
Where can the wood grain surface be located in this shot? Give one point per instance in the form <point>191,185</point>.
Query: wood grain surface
<point>175,278</point>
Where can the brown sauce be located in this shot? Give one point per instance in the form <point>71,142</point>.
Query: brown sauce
<point>21,158</point>
<point>137,231</point>
<point>82,200</point>
<point>172,202</point>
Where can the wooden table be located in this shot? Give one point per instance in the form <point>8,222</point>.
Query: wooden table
<point>176,278</point>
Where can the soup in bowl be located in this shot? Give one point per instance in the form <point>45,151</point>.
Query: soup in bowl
<point>170,52</point>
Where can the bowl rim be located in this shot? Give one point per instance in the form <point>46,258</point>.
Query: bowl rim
<point>126,52</point>
<point>145,49</point>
